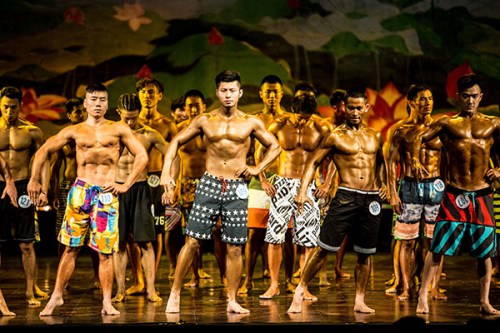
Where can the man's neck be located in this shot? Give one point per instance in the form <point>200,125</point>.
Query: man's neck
<point>149,113</point>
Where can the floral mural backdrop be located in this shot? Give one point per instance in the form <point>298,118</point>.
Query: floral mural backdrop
<point>52,49</point>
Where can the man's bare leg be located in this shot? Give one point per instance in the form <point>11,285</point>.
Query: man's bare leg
<point>407,264</point>
<point>234,263</point>
<point>106,276</point>
<point>148,263</point>
<point>4,308</point>
<point>29,265</point>
<point>339,259</point>
<point>275,256</point>
<point>362,275</point>
<point>316,260</point>
<point>64,271</point>
<point>484,268</point>
<point>120,260</point>
<point>135,264</point>
<point>184,262</point>
<point>431,265</point>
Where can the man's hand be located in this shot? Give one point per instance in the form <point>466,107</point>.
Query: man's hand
<point>11,191</point>
<point>34,190</point>
<point>396,204</point>
<point>115,188</point>
<point>301,199</point>
<point>268,188</point>
<point>247,171</point>
<point>169,196</point>
<point>418,170</point>
<point>321,191</point>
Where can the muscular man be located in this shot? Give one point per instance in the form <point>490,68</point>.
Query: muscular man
<point>416,203</point>
<point>92,200</point>
<point>19,140</point>
<point>465,220</point>
<point>271,93</point>
<point>193,159</point>
<point>64,165</point>
<point>136,222</point>
<point>299,134</point>
<point>7,188</point>
<point>150,92</point>
<point>222,192</point>
<point>177,110</point>
<point>356,151</point>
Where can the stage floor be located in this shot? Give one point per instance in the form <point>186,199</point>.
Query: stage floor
<point>206,305</point>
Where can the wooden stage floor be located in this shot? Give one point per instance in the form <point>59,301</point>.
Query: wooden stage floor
<point>205,307</point>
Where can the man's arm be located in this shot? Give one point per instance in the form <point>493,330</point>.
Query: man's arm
<point>432,132</point>
<point>393,158</point>
<point>168,178</point>
<point>10,187</point>
<point>40,163</point>
<point>140,154</point>
<point>269,142</point>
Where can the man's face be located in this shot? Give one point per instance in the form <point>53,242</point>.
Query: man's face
<point>470,98</point>
<point>77,115</point>
<point>271,95</point>
<point>193,106</point>
<point>10,108</point>
<point>150,96</point>
<point>355,109</point>
<point>129,117</point>
<point>229,93</point>
<point>96,103</point>
<point>423,102</point>
<point>179,115</point>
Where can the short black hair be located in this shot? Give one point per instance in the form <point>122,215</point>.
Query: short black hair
<point>271,78</point>
<point>141,83</point>
<point>337,96</point>
<point>72,103</point>
<point>177,103</point>
<point>227,76</point>
<point>467,81</point>
<point>96,86</point>
<point>305,86</point>
<point>12,92</point>
<point>194,93</point>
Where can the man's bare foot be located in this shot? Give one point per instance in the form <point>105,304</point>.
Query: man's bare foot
<point>203,274</point>
<point>436,294</point>
<point>392,290</point>
<point>363,308</point>
<point>391,281</point>
<point>4,309</point>
<point>323,280</point>
<point>193,283</point>
<point>422,306</point>
<point>243,290</point>
<point>40,293</point>
<point>405,296</point>
<point>119,298</point>
<point>96,285</point>
<point>51,305</point>
<point>340,274</point>
<point>270,293</point>
<point>309,297</point>
<point>289,286</point>
<point>173,303</point>
<point>266,274</point>
<point>109,310</point>
<point>136,289</point>
<point>32,301</point>
<point>153,297</point>
<point>298,297</point>
<point>488,309</point>
<point>234,307</point>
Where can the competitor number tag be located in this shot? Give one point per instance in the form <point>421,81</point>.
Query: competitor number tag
<point>106,198</point>
<point>153,180</point>
<point>374,208</point>
<point>242,191</point>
